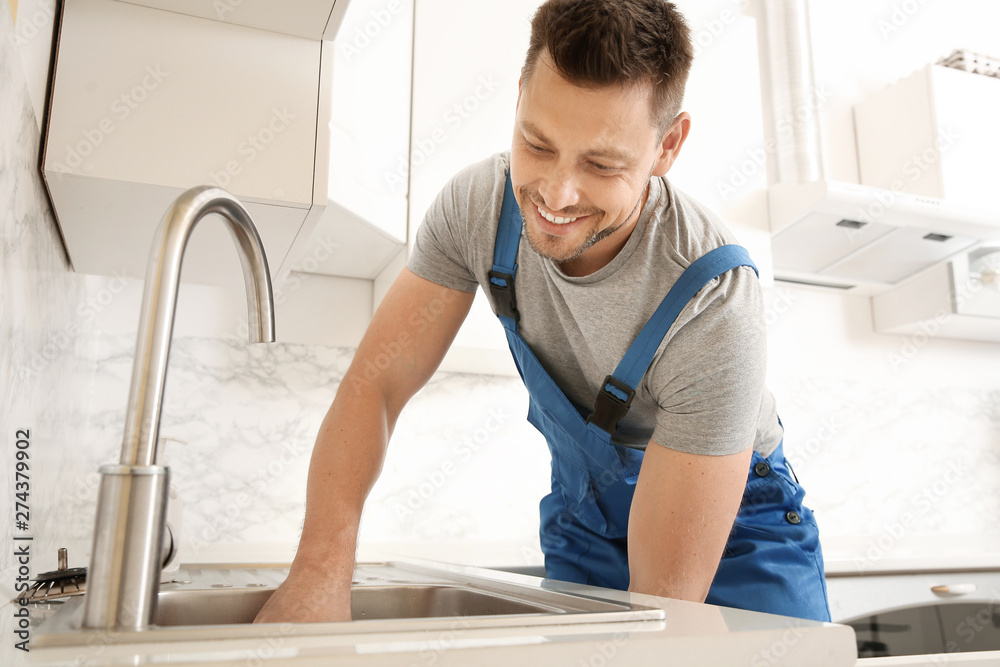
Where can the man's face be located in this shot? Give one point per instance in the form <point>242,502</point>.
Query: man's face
<point>581,159</point>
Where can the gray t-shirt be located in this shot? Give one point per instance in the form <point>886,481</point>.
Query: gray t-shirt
<point>704,392</point>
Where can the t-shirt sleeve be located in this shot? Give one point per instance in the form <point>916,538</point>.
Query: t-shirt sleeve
<point>446,249</point>
<point>709,380</point>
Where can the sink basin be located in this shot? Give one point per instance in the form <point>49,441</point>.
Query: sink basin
<point>395,598</point>
<point>240,605</point>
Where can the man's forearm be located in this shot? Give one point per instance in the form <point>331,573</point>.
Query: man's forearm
<point>345,464</point>
<point>681,515</point>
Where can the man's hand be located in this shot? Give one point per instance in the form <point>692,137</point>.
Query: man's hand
<point>306,597</point>
<point>682,513</point>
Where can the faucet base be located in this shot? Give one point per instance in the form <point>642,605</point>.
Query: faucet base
<point>128,544</point>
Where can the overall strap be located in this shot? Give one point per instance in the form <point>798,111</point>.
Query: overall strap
<point>505,259</point>
<point>616,394</point>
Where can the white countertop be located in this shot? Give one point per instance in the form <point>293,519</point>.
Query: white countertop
<point>982,659</point>
<point>841,556</point>
<point>691,634</point>
<point>731,636</point>
<point>850,556</point>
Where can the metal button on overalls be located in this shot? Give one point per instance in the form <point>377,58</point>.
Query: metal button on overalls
<point>770,563</point>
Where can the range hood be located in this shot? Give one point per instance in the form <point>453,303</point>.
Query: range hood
<point>832,233</point>
<point>850,236</point>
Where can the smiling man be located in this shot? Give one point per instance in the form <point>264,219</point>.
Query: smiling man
<point>636,324</point>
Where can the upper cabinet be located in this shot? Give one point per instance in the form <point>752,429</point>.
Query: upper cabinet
<point>341,267</point>
<point>365,221</point>
<point>150,98</point>
<point>312,19</point>
<point>934,133</point>
<point>147,103</point>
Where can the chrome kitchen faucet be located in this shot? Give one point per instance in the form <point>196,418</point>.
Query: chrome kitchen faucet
<point>123,579</point>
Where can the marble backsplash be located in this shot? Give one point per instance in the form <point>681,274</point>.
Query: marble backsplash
<point>877,460</point>
<point>885,466</point>
<point>239,422</point>
<point>38,297</point>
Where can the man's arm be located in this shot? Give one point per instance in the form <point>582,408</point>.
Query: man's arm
<point>403,346</point>
<point>682,513</point>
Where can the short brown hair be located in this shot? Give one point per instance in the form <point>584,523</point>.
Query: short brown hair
<point>595,43</point>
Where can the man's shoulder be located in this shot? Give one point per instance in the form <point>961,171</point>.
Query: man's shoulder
<point>690,228</point>
<point>480,181</point>
<point>454,243</point>
<point>472,197</point>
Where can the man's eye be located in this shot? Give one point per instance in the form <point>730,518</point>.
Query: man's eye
<point>533,148</point>
<point>603,168</point>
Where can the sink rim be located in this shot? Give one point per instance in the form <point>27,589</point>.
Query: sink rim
<point>179,598</point>
<point>63,629</point>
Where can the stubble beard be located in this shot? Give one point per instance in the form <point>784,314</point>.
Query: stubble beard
<point>540,246</point>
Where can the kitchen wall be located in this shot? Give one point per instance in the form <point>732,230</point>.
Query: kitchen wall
<point>45,368</point>
<point>896,439</point>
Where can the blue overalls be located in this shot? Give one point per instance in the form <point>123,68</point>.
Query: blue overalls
<point>772,561</point>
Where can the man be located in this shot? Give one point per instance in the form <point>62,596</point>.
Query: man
<point>635,322</point>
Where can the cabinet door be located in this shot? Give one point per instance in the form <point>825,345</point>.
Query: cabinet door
<point>971,626</point>
<point>912,631</point>
<point>343,264</point>
<point>312,19</point>
<point>148,103</point>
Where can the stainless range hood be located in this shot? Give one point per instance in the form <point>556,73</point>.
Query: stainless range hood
<point>832,233</point>
<point>837,234</point>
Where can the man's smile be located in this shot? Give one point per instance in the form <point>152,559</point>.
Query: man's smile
<point>555,218</point>
<point>552,223</point>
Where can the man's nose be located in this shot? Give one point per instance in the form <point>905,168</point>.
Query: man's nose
<point>560,189</point>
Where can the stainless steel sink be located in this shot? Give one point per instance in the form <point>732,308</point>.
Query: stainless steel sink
<point>208,604</point>
<point>240,605</point>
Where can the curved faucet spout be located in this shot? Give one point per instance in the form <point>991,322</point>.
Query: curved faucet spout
<point>159,303</point>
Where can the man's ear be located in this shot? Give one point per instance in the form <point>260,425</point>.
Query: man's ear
<point>670,146</point>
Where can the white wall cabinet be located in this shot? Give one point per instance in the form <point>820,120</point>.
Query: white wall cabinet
<point>933,133</point>
<point>312,19</point>
<point>366,218</point>
<point>151,98</point>
<point>952,300</point>
<point>342,267</point>
<point>148,103</point>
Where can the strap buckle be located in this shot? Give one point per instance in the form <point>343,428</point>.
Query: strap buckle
<point>612,405</point>
<point>502,289</point>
